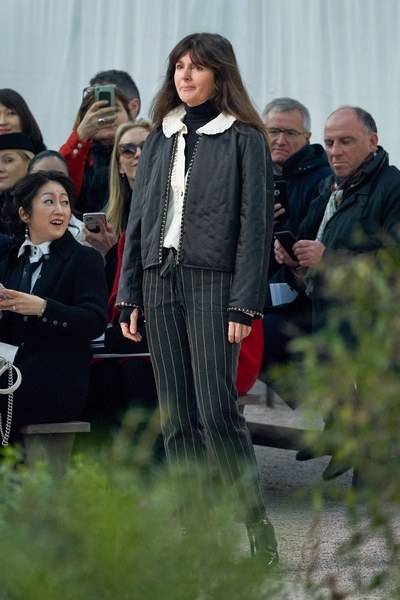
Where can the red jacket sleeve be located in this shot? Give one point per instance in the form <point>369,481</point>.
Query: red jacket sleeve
<point>250,358</point>
<point>76,154</point>
<point>113,311</point>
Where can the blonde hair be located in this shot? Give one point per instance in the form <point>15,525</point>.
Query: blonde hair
<point>119,187</point>
<point>26,154</point>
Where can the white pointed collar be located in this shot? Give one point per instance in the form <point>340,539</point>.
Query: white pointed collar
<point>37,250</point>
<point>173,122</point>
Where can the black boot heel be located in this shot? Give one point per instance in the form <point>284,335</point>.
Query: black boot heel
<point>263,542</point>
<point>251,542</point>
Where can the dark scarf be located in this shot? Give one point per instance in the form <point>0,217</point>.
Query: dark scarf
<point>372,164</point>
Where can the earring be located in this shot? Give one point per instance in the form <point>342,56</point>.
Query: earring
<point>26,232</point>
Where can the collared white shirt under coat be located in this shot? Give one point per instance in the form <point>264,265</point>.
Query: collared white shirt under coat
<point>173,123</point>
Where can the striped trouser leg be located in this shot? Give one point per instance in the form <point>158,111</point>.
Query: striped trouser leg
<point>214,361</point>
<point>170,353</point>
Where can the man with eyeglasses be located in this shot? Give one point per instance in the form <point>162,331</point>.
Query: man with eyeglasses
<point>297,163</point>
<point>298,169</point>
<point>357,212</point>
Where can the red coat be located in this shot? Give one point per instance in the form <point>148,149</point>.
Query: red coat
<point>76,154</point>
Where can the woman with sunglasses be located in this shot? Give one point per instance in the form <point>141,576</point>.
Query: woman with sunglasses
<point>128,145</point>
<point>196,263</point>
<point>131,380</point>
<point>129,139</point>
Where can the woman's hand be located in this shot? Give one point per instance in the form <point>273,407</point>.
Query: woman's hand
<point>103,241</point>
<point>90,125</point>
<point>131,331</point>
<point>237,332</point>
<point>21,303</point>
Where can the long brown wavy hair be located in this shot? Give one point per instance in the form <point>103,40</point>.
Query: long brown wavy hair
<point>215,52</point>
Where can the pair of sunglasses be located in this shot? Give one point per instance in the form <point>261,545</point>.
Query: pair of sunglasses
<point>129,149</point>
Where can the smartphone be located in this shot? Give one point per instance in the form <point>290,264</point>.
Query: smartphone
<point>94,220</point>
<point>281,194</point>
<point>105,92</point>
<point>286,238</point>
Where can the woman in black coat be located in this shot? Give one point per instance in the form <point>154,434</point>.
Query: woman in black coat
<point>53,303</point>
<point>196,259</point>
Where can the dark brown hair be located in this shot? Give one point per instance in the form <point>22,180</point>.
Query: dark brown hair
<point>14,101</point>
<point>122,79</point>
<point>215,52</point>
<point>22,195</point>
<point>27,188</point>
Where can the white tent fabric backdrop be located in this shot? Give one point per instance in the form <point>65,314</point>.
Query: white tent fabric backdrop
<point>323,52</point>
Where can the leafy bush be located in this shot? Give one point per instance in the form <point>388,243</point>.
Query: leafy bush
<point>106,531</point>
<point>350,373</point>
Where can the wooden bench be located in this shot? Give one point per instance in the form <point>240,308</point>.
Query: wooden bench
<point>51,443</point>
<point>262,434</point>
<point>266,434</point>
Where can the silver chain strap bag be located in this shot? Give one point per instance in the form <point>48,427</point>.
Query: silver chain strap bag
<point>5,365</point>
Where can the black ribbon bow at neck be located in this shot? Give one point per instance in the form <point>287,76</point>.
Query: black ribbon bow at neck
<point>29,269</point>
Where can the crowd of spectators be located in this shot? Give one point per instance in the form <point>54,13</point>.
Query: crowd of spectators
<point>336,201</point>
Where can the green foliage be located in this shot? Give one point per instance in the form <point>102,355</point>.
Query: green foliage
<point>105,531</point>
<point>350,373</point>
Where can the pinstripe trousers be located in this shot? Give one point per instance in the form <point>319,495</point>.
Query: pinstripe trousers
<point>195,371</point>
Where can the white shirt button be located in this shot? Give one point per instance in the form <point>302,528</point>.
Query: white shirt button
<point>65,324</point>
<point>55,322</point>
<point>44,319</point>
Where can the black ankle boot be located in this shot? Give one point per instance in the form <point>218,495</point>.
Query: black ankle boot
<point>263,542</point>
<point>334,469</point>
<point>315,451</point>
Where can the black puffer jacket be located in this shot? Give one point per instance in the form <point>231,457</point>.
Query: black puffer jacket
<point>303,172</point>
<point>367,218</point>
<point>368,211</point>
<point>228,213</point>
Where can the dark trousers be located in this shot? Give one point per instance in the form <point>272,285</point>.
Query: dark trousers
<point>195,371</point>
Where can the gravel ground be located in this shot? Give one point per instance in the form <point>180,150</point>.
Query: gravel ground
<point>309,546</point>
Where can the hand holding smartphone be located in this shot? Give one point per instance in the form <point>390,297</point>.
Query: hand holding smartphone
<point>287,240</point>
<point>105,93</point>
<point>281,194</point>
<point>93,221</point>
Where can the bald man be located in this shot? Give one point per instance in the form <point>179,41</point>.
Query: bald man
<point>359,209</point>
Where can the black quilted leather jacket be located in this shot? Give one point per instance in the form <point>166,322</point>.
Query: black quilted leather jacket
<point>227,216</point>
